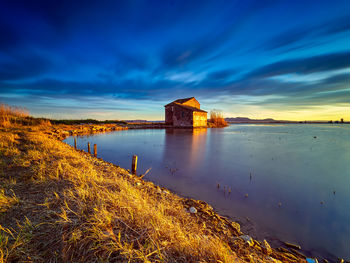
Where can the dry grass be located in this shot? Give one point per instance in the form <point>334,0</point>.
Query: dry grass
<point>85,212</point>
<point>62,205</point>
<point>216,119</point>
<point>11,115</point>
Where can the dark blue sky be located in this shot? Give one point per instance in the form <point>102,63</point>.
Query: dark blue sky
<point>126,59</point>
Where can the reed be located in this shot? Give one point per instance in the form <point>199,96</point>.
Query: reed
<point>216,119</point>
<point>12,115</point>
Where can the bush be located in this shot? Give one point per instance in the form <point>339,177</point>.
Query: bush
<point>216,119</point>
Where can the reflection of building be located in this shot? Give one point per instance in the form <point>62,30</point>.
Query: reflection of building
<point>185,113</point>
<point>185,149</point>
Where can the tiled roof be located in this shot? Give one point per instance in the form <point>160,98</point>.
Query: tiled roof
<point>183,100</point>
<point>188,107</point>
<point>180,101</point>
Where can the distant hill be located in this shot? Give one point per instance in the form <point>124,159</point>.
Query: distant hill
<point>248,120</point>
<point>142,121</point>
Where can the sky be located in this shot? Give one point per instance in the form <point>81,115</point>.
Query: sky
<point>286,60</point>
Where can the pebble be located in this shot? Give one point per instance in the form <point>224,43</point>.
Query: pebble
<point>247,239</point>
<point>193,210</point>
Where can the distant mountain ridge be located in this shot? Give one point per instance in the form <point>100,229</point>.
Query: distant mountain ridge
<point>245,119</point>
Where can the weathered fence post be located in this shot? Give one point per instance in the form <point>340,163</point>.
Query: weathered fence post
<point>134,164</point>
<point>89,150</point>
<point>75,142</point>
<point>95,150</point>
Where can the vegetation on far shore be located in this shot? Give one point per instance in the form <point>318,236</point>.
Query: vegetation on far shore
<point>58,204</point>
<point>87,121</point>
<point>217,119</point>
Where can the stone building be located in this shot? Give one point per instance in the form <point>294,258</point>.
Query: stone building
<point>185,113</point>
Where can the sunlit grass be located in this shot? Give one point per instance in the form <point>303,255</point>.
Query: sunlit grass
<point>216,119</point>
<point>98,212</point>
<point>11,115</point>
<point>6,201</point>
<point>58,204</point>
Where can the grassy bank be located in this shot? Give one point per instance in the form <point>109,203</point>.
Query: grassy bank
<point>62,205</point>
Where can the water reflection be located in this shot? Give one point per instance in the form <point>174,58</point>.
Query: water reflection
<point>184,149</point>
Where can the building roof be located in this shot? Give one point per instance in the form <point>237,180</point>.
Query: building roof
<point>183,100</point>
<point>180,101</point>
<point>187,107</point>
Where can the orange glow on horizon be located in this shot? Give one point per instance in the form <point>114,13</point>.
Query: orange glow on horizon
<point>317,113</point>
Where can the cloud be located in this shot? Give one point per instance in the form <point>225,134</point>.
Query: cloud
<point>126,62</point>
<point>306,35</point>
<point>221,74</point>
<point>9,37</point>
<point>23,66</point>
<point>182,53</point>
<point>288,38</point>
<point>133,89</point>
<point>303,65</point>
<point>338,98</point>
<point>336,26</point>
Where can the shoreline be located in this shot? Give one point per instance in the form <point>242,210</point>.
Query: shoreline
<point>245,248</point>
<point>260,234</point>
<point>282,247</point>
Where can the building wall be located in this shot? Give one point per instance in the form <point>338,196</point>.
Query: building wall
<point>169,115</point>
<point>182,117</point>
<point>193,103</point>
<point>199,119</point>
<point>178,116</point>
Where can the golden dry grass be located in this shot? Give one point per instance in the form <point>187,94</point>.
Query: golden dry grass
<point>62,205</point>
<point>11,115</point>
<point>216,119</point>
<point>90,212</point>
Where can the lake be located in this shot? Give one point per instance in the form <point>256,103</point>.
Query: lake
<point>282,182</point>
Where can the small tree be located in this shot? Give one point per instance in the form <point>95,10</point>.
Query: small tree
<point>217,118</point>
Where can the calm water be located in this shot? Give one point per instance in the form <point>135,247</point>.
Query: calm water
<point>285,184</point>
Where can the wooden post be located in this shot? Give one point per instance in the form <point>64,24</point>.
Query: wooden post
<point>75,142</point>
<point>95,150</point>
<point>134,164</point>
<point>89,150</point>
